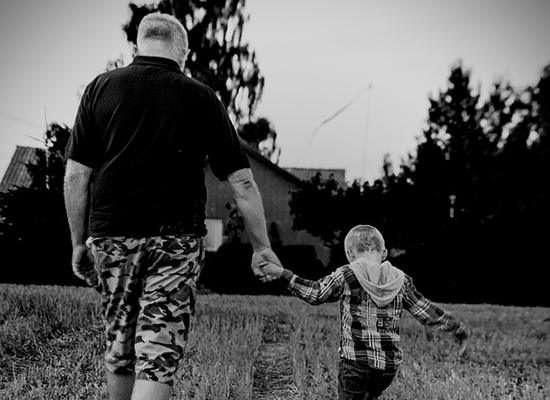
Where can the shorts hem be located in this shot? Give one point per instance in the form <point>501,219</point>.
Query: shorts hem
<point>144,376</point>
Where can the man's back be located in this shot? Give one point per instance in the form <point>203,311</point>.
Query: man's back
<point>147,129</point>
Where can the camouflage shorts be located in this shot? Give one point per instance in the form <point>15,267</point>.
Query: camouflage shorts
<point>148,297</point>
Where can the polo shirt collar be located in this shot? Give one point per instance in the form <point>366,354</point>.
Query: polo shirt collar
<point>161,61</point>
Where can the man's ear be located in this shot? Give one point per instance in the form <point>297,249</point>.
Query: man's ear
<point>135,51</point>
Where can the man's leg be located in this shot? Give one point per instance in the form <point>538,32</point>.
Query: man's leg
<point>120,386</point>
<point>166,305</point>
<point>151,390</point>
<point>117,261</point>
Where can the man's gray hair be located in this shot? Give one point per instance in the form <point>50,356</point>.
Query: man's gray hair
<point>364,238</point>
<point>164,28</point>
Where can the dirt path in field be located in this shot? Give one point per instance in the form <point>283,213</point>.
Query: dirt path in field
<point>274,368</point>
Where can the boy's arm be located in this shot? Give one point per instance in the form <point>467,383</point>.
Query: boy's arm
<point>327,289</point>
<point>432,316</point>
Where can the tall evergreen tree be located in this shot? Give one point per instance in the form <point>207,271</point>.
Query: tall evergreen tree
<point>465,210</point>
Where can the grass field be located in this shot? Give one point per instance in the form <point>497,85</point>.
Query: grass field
<point>267,347</point>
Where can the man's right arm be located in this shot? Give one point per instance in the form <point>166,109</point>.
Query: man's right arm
<point>249,203</point>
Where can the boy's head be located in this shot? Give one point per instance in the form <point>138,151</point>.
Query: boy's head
<point>365,241</point>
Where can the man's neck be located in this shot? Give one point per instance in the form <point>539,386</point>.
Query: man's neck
<point>158,51</point>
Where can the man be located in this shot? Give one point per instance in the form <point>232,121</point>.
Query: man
<point>135,199</point>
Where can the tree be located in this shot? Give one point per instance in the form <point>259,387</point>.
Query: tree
<point>482,163</point>
<point>452,150</point>
<point>463,210</point>
<point>309,209</point>
<point>35,228</point>
<point>326,210</point>
<point>261,135</point>
<point>219,58</point>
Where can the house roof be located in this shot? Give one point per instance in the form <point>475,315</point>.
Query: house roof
<point>254,153</point>
<point>16,174</point>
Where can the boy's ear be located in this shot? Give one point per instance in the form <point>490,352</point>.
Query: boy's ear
<point>135,51</point>
<point>384,254</point>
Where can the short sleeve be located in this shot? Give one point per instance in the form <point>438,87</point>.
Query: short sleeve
<point>226,154</point>
<point>83,141</point>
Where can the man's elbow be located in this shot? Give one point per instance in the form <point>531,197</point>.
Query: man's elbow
<point>77,174</point>
<point>242,181</point>
<point>241,176</point>
<point>72,179</point>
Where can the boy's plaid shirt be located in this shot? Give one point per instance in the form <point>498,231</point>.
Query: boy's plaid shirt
<point>368,332</point>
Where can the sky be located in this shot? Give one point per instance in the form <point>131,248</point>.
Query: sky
<point>386,58</point>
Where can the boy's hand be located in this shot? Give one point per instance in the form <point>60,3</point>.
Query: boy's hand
<point>270,271</point>
<point>429,332</point>
<point>462,335</point>
<point>262,256</point>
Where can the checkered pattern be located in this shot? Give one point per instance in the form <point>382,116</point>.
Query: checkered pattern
<point>367,332</point>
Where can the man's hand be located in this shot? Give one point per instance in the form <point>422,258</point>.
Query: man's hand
<point>262,256</point>
<point>83,265</point>
<point>271,270</point>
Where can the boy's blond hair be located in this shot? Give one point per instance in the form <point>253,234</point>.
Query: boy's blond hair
<point>364,238</point>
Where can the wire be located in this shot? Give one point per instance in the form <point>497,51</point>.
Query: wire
<point>21,121</point>
<point>338,112</point>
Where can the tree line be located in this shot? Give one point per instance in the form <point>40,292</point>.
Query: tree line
<point>467,213</point>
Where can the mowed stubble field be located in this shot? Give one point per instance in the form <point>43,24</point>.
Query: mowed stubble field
<point>267,347</point>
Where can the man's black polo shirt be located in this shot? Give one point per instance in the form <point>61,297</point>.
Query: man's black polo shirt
<point>146,130</point>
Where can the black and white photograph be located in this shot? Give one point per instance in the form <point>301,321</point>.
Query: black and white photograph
<point>274,200</point>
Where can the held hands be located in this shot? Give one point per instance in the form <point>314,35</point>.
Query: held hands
<point>264,256</point>
<point>271,270</point>
<point>83,265</point>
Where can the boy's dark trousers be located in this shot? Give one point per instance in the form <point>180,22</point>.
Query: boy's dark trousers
<point>358,381</point>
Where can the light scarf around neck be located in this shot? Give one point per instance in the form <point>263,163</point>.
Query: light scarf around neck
<point>381,281</point>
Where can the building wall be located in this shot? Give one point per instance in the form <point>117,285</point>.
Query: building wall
<point>275,190</point>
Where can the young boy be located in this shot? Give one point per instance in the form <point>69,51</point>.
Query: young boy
<point>372,295</point>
